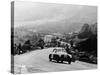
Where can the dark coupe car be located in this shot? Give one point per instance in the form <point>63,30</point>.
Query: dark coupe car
<point>60,55</point>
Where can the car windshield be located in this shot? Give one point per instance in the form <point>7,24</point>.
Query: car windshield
<point>59,50</point>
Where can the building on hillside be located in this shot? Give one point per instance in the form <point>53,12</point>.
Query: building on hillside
<point>58,35</point>
<point>48,38</point>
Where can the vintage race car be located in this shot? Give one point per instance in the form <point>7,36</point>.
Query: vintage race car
<point>60,55</point>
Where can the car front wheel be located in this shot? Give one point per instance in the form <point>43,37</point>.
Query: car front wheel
<point>50,59</point>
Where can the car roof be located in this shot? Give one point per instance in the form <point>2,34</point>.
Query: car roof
<point>57,49</point>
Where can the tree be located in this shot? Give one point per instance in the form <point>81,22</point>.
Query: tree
<point>15,50</point>
<point>27,42</point>
<point>53,42</point>
<point>41,43</point>
<point>71,43</point>
<point>27,46</point>
<point>19,48</point>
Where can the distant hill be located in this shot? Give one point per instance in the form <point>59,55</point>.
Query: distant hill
<point>88,30</point>
<point>90,44</point>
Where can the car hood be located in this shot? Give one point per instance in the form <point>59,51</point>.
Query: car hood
<point>61,53</point>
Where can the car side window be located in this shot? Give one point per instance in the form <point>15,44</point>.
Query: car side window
<point>55,50</point>
<point>64,50</point>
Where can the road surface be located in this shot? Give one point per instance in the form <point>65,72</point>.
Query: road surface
<point>37,61</point>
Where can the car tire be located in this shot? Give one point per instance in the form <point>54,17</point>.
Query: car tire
<point>57,58</point>
<point>69,62</point>
<point>62,61</point>
<point>62,58</point>
<point>57,61</point>
<point>50,59</point>
<point>73,59</point>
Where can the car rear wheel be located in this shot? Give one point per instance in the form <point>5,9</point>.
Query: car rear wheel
<point>62,61</point>
<point>69,62</point>
<point>57,61</point>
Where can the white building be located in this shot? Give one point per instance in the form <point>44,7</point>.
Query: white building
<point>48,38</point>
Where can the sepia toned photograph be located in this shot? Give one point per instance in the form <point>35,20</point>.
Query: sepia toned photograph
<point>53,37</point>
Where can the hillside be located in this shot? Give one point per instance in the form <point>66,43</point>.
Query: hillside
<point>87,31</point>
<point>89,45</point>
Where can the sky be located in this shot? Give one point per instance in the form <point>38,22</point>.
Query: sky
<point>26,13</point>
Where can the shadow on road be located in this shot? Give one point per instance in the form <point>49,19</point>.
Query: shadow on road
<point>59,62</point>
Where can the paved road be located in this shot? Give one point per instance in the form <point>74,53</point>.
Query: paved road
<point>37,61</point>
